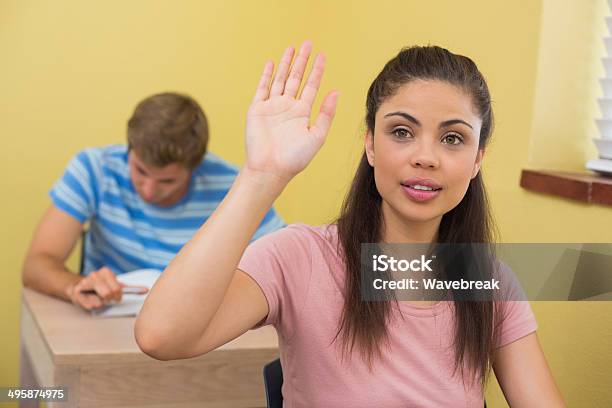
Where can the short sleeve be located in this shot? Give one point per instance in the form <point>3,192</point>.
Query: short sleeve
<point>270,223</point>
<point>518,319</point>
<point>75,192</point>
<point>281,264</point>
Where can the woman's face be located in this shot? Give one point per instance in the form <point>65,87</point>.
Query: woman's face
<point>424,151</point>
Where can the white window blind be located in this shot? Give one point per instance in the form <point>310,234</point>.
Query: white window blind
<point>603,164</point>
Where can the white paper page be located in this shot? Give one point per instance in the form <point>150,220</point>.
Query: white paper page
<point>130,304</point>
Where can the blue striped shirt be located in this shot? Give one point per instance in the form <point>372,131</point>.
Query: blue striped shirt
<point>126,233</point>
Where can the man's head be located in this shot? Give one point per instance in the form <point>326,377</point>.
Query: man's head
<point>167,139</point>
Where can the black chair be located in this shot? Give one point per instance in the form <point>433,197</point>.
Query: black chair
<point>273,381</point>
<point>82,261</point>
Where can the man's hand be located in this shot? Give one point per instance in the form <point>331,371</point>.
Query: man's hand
<point>104,285</point>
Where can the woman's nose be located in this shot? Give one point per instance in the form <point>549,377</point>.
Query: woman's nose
<point>424,155</point>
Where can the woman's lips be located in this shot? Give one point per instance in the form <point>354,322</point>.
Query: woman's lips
<point>420,195</point>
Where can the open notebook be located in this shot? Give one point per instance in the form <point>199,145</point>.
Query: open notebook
<point>130,304</point>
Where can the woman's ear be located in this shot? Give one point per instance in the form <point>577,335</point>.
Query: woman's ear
<point>369,147</point>
<point>478,162</point>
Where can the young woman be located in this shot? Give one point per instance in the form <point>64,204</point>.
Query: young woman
<point>428,121</point>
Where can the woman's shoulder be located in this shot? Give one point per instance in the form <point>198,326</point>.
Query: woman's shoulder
<point>301,238</point>
<point>306,232</point>
<point>324,236</point>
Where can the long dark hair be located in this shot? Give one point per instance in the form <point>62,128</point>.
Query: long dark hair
<point>364,323</point>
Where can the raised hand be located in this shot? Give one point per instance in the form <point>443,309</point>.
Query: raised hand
<point>279,138</point>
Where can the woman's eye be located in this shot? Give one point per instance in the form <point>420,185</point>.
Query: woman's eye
<point>401,133</point>
<point>452,139</point>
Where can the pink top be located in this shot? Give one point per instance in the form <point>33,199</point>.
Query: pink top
<point>302,278</point>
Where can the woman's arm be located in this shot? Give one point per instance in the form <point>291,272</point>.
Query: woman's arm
<point>201,301</point>
<point>524,376</point>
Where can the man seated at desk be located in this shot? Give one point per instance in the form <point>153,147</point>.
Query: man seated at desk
<point>142,203</point>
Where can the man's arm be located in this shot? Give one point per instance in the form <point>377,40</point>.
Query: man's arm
<point>44,267</point>
<point>45,270</point>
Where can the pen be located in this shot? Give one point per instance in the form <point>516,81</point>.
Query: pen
<point>125,291</point>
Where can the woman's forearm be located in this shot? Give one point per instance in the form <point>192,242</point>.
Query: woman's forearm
<point>184,300</point>
<point>280,142</point>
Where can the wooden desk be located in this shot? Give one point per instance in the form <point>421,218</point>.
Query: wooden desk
<point>98,361</point>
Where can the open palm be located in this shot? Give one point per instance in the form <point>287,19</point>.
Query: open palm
<point>279,138</point>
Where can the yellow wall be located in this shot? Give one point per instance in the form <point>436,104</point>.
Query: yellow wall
<point>72,71</point>
<point>576,336</point>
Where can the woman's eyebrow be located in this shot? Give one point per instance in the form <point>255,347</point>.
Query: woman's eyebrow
<point>451,122</point>
<point>414,120</point>
<point>405,116</point>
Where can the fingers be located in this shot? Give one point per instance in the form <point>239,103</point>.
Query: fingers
<point>288,78</point>
<point>105,285</point>
<point>278,84</point>
<point>314,80</point>
<point>103,281</point>
<point>263,88</point>
<point>326,113</point>
<point>86,301</point>
<point>297,70</point>
<point>110,289</point>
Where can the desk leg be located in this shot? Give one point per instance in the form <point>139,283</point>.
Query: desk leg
<point>27,379</point>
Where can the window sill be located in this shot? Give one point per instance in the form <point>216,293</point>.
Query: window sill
<point>586,187</point>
